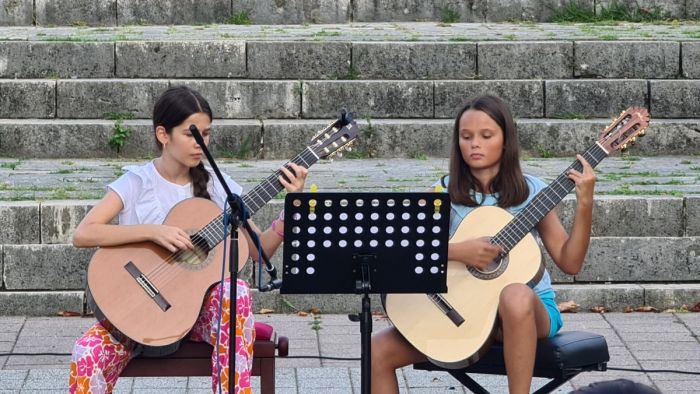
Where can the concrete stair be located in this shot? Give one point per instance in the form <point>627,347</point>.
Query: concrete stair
<point>164,12</point>
<point>64,91</point>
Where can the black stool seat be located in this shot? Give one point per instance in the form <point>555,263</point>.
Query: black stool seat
<point>559,358</point>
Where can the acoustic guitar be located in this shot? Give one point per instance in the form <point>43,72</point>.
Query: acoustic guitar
<point>143,293</point>
<point>455,329</point>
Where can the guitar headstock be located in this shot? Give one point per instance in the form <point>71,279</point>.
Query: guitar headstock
<point>335,138</point>
<point>624,130</point>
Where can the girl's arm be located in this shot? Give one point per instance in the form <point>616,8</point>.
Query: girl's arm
<point>569,251</point>
<point>95,229</point>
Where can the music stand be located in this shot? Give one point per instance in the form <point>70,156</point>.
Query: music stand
<point>362,243</point>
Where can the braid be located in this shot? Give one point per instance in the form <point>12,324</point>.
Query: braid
<point>200,179</point>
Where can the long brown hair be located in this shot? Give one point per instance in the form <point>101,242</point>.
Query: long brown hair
<point>509,183</point>
<point>172,108</point>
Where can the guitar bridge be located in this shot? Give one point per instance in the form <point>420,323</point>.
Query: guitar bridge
<point>447,309</point>
<point>147,286</point>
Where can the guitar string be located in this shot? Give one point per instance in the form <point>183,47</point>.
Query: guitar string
<point>164,272</point>
<point>212,233</point>
<point>510,235</point>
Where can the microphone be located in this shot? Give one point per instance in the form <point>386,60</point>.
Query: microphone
<point>197,135</point>
<point>274,284</point>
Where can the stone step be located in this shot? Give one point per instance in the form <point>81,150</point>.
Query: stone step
<point>83,139</point>
<point>195,55</point>
<point>308,99</point>
<point>615,297</point>
<point>130,12</point>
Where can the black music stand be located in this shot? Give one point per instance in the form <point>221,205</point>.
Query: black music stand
<point>362,243</point>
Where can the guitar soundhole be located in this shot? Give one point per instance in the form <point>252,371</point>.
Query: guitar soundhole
<point>195,259</point>
<point>493,270</point>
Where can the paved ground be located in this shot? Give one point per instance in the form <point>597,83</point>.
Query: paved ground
<point>34,179</point>
<point>663,341</point>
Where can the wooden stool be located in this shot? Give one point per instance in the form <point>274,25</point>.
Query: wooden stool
<point>194,359</point>
<point>559,358</point>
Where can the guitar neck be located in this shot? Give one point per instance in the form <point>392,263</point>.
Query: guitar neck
<point>256,198</point>
<point>544,201</point>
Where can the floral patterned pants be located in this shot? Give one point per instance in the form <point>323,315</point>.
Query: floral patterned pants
<point>98,359</point>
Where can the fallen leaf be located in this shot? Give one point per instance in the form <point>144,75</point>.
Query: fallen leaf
<point>568,307</point>
<point>302,313</point>
<point>315,311</point>
<point>629,309</point>
<point>266,311</point>
<point>645,309</point>
<point>599,309</point>
<point>68,313</point>
<point>695,308</point>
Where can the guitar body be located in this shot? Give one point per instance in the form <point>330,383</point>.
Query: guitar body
<point>472,294</point>
<point>123,304</point>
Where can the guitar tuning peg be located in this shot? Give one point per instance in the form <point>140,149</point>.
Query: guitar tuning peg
<point>339,154</point>
<point>642,133</point>
<point>349,149</point>
<point>633,139</point>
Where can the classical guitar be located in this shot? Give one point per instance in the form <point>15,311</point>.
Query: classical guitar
<point>144,293</point>
<point>455,329</point>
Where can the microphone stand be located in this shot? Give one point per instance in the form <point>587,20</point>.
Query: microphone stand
<point>234,202</point>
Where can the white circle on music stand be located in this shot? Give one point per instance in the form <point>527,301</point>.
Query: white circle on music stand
<point>295,243</point>
<point>296,216</point>
<point>373,243</point>
<point>374,229</point>
<point>374,216</point>
<point>434,256</point>
<point>312,216</point>
<point>420,243</point>
<point>310,257</point>
<point>436,229</point>
<point>389,230</point>
<point>375,203</point>
<point>405,243</point>
<point>358,230</point>
<point>390,202</point>
<point>311,243</point>
<point>296,230</point>
<point>419,270</point>
<point>328,203</point>
<point>406,202</point>
<point>405,216</point>
<point>434,270</point>
<point>343,216</point>
<point>311,230</point>
<point>421,216</point>
<point>389,243</point>
<point>437,216</point>
<point>405,229</point>
<point>435,243</point>
<point>420,229</point>
<point>359,216</point>
<point>327,243</point>
<point>342,243</point>
<point>310,270</point>
<point>327,230</point>
<point>359,202</point>
<point>343,203</point>
<point>294,270</point>
<point>390,216</point>
<point>358,243</point>
<point>420,256</point>
<point>343,230</point>
<point>327,216</point>
<point>295,257</point>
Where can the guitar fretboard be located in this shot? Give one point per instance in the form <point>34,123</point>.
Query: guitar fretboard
<point>543,202</point>
<point>213,232</point>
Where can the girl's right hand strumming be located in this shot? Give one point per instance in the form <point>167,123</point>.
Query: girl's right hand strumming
<point>170,237</point>
<point>478,253</point>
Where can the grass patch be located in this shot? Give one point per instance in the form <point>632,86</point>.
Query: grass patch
<point>11,165</point>
<point>449,16</point>
<point>615,12</point>
<point>545,152</point>
<point>325,33</point>
<point>241,18</point>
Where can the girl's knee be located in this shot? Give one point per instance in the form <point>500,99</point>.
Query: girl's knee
<point>516,300</point>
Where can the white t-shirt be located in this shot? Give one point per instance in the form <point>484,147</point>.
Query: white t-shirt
<point>148,197</point>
